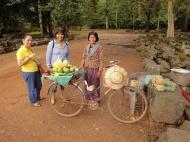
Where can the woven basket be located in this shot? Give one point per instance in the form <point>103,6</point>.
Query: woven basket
<point>140,77</point>
<point>181,78</point>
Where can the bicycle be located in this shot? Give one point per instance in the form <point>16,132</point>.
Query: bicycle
<point>127,104</point>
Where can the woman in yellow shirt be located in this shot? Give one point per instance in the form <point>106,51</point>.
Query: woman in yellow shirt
<point>27,60</point>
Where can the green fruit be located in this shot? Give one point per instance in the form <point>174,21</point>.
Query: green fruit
<point>56,75</point>
<point>65,63</point>
<point>54,69</point>
<point>59,70</point>
<point>72,69</point>
<point>66,70</point>
<point>62,70</point>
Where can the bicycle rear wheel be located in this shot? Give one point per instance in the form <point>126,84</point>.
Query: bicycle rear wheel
<point>66,101</point>
<point>127,105</point>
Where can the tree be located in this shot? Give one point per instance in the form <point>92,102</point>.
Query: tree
<point>90,13</point>
<point>148,6</point>
<point>106,15</point>
<point>187,14</point>
<point>40,18</point>
<point>46,14</point>
<point>170,29</point>
<point>65,13</point>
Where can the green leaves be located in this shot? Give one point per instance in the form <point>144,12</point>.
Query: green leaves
<point>17,14</point>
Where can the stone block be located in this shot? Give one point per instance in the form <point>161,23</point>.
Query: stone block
<point>174,135</point>
<point>166,107</point>
<point>187,52</point>
<point>187,111</point>
<point>185,126</point>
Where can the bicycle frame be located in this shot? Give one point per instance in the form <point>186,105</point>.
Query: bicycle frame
<point>129,103</point>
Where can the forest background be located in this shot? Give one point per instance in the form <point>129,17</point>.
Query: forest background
<point>44,15</point>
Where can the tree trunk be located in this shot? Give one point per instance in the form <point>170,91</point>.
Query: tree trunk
<point>49,24</point>
<point>158,22</point>
<point>66,26</point>
<point>170,30</point>
<point>148,22</point>
<point>106,13</point>
<point>133,16</point>
<point>116,17</point>
<point>139,11</point>
<point>187,17</point>
<point>107,22</point>
<point>148,11</point>
<point>66,21</point>
<point>40,18</point>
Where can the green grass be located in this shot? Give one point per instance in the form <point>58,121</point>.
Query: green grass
<point>84,32</point>
<point>37,34</point>
<point>34,33</point>
<point>79,33</point>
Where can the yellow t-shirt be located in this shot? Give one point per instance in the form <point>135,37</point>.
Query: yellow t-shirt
<point>29,66</point>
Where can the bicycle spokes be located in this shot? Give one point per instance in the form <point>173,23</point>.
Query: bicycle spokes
<point>127,106</point>
<point>68,102</point>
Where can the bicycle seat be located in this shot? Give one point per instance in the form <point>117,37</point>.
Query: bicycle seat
<point>112,63</point>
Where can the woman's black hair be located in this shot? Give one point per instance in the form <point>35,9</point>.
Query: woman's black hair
<point>95,34</point>
<point>25,35</point>
<point>58,30</point>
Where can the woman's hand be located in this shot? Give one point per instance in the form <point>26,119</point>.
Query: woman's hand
<point>99,74</point>
<point>22,62</point>
<point>37,60</point>
<point>49,70</point>
<point>80,67</point>
<point>32,56</point>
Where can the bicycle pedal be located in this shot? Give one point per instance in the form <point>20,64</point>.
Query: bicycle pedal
<point>130,118</point>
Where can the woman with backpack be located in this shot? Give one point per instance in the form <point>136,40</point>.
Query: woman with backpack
<point>57,48</point>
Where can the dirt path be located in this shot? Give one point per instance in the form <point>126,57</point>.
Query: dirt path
<point>19,122</point>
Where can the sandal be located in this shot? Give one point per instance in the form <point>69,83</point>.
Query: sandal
<point>36,104</point>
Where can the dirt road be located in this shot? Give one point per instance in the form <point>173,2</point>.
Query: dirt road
<point>19,122</point>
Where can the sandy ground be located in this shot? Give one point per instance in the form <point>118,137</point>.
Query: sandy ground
<point>19,122</point>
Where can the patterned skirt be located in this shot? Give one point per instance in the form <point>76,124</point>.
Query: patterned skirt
<point>92,79</point>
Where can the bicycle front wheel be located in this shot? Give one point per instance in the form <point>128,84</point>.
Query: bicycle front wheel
<point>66,101</point>
<point>127,105</point>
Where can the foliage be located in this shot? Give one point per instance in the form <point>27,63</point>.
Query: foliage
<point>18,15</point>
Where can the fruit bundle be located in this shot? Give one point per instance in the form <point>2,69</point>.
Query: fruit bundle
<point>161,84</point>
<point>63,67</point>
